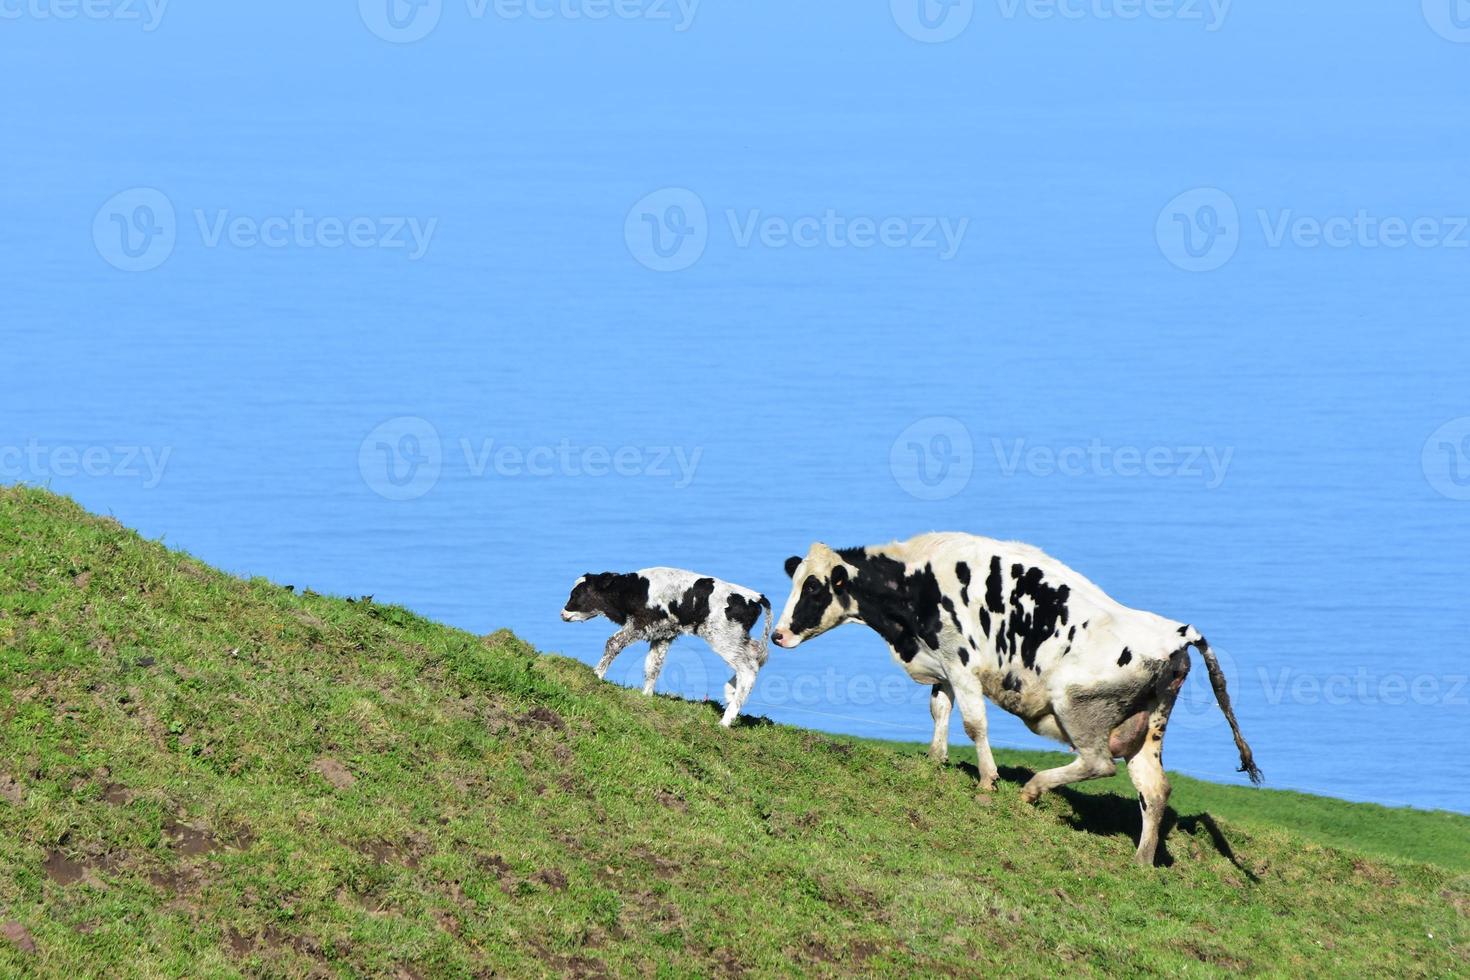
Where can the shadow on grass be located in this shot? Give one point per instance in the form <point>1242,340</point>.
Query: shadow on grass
<point>741,721</point>
<point>1111,815</point>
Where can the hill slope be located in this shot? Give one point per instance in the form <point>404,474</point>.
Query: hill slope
<point>207,776</point>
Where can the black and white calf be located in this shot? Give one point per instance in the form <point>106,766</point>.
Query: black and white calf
<point>660,604</point>
<point>981,618</point>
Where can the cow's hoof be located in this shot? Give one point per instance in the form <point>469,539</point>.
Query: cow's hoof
<point>988,785</point>
<point>1029,795</point>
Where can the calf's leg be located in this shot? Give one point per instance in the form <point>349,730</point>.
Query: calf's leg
<point>616,644</point>
<point>744,680</point>
<point>658,650</point>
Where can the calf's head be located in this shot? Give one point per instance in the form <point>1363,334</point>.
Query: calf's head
<point>820,599</point>
<point>602,594</point>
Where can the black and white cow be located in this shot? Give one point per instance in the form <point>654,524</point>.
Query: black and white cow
<point>981,618</point>
<point>660,604</point>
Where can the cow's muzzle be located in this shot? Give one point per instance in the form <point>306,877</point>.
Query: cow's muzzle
<point>785,640</point>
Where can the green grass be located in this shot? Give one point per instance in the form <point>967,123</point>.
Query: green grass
<point>202,776</point>
<point>1433,836</point>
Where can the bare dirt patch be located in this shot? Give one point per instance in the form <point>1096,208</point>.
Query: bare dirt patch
<point>542,718</point>
<point>18,936</point>
<point>10,790</point>
<point>671,801</point>
<point>334,772</point>
<point>64,870</point>
<point>384,852</point>
<point>552,878</point>
<point>189,841</point>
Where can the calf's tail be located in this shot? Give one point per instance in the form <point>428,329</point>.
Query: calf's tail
<point>766,640</point>
<point>1222,697</point>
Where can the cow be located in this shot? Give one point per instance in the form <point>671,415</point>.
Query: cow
<point>976,618</point>
<point>661,604</point>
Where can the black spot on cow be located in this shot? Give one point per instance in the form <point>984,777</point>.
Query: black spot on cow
<point>815,597</point>
<point>1011,682</point>
<point>954,616</point>
<point>1183,630</point>
<point>744,611</point>
<point>1125,657</point>
<point>1143,803</point>
<point>620,596</point>
<point>994,601</point>
<point>903,607</point>
<point>1071,634</point>
<point>1017,571</point>
<point>962,572</point>
<point>1049,610</point>
<point>985,621</point>
<point>964,657</point>
<point>692,607</point>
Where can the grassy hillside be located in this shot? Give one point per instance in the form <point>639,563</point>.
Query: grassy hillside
<point>204,776</point>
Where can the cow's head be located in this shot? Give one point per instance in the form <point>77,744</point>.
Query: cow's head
<point>820,596</point>
<point>600,594</point>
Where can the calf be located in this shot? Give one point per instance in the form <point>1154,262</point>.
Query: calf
<point>660,604</point>
<point>981,618</point>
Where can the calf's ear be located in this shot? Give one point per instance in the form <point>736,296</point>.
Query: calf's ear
<point>839,578</point>
<point>792,564</point>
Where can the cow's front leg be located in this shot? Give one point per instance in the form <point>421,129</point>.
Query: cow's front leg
<point>941,700</point>
<point>615,645</point>
<point>972,710</point>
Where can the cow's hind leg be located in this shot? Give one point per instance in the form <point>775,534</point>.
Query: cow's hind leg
<point>658,651</point>
<point>744,680</point>
<point>941,701</point>
<point>1086,723</point>
<point>1146,766</point>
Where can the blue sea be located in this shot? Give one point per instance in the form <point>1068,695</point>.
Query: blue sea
<point>449,302</point>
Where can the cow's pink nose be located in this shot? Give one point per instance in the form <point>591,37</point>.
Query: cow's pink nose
<point>779,638</point>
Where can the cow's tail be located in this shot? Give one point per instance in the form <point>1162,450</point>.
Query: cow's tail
<point>1222,696</point>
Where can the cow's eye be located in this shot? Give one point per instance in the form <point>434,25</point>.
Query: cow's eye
<point>812,586</point>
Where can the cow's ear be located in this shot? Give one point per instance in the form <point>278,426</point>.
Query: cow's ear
<point>792,564</point>
<point>839,578</point>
